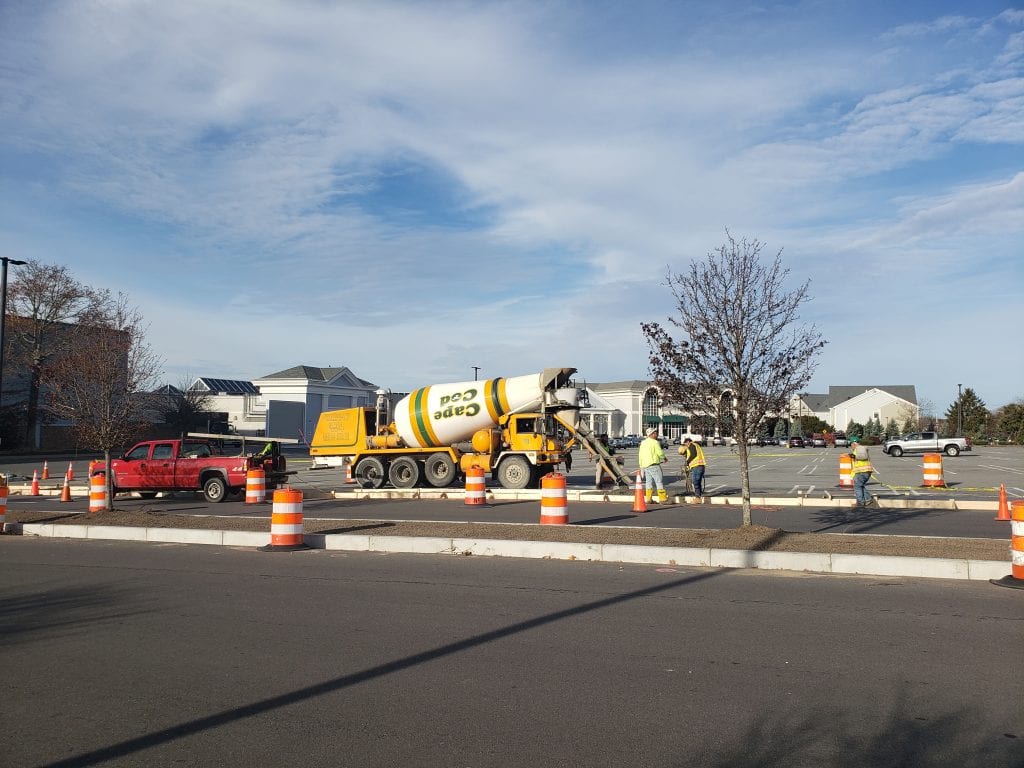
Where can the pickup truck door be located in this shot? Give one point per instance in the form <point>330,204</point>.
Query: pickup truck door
<point>132,470</point>
<point>160,472</point>
<point>193,457</point>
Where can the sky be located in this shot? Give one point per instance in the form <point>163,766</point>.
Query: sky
<point>412,189</point>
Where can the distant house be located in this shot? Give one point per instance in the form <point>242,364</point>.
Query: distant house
<point>843,404</point>
<point>295,397</point>
<point>287,403</point>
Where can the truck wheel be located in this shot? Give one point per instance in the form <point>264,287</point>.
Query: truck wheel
<point>215,489</point>
<point>404,472</point>
<point>516,473</point>
<point>439,470</point>
<point>896,451</point>
<point>952,450</point>
<point>369,473</point>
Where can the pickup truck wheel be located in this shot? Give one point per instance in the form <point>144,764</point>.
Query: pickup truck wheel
<point>515,473</point>
<point>369,473</point>
<point>215,489</point>
<point>896,451</point>
<point>439,470</point>
<point>952,450</point>
<point>404,472</point>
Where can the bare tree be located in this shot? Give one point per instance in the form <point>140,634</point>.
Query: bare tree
<point>739,335</point>
<point>184,406</point>
<point>48,309</point>
<point>103,384</point>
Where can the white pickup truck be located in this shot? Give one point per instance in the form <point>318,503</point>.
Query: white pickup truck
<point>926,442</point>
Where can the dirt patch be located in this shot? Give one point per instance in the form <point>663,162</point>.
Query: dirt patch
<point>755,538</point>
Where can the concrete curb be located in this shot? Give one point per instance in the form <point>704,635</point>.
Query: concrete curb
<point>864,565</point>
<point>501,494</point>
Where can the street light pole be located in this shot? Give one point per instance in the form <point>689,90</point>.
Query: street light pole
<point>3,315</point>
<point>959,411</point>
<point>476,369</point>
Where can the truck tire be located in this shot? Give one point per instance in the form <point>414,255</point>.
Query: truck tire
<point>369,473</point>
<point>404,472</point>
<point>896,451</point>
<point>952,450</point>
<point>439,470</point>
<point>516,473</point>
<point>215,489</point>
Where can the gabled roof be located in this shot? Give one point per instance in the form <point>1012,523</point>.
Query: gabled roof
<point>313,373</point>
<point>225,386</point>
<point>837,395</point>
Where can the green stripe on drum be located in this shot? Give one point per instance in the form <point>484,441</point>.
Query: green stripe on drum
<point>419,418</point>
<point>492,398</point>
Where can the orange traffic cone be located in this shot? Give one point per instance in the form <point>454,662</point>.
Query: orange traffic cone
<point>1004,508</point>
<point>46,471</point>
<point>71,472</point>
<point>639,503</point>
<point>35,483</point>
<point>65,494</point>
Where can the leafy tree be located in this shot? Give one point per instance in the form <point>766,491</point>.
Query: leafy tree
<point>102,386</point>
<point>891,430</point>
<point>49,311</point>
<point>780,429</point>
<point>739,332</point>
<point>855,429</point>
<point>1010,422</point>
<point>909,425</point>
<point>975,415</point>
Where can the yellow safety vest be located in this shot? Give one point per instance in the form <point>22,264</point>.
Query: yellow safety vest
<point>860,465</point>
<point>698,457</point>
<point>650,453</point>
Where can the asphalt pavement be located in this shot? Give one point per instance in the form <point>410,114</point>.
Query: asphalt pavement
<point>127,654</point>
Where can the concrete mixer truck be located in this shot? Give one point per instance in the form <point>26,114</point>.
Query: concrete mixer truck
<point>516,428</point>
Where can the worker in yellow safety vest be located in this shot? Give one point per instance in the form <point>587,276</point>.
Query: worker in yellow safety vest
<point>861,471</point>
<point>650,457</point>
<point>693,458</point>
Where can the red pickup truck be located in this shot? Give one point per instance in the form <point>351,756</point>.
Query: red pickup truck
<point>153,466</point>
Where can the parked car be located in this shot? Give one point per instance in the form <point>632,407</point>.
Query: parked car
<point>841,440</point>
<point>796,442</point>
<point>818,442</point>
<point>718,440</point>
<point>923,442</point>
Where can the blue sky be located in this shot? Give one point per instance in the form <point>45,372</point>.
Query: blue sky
<point>411,189</point>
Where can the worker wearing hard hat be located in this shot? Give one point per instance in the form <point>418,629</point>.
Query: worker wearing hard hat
<point>650,458</point>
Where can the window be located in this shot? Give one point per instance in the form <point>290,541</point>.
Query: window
<point>163,451</point>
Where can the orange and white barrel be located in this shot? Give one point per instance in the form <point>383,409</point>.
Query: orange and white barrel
<point>97,493</point>
<point>255,486</point>
<point>554,508</point>
<point>1017,539</point>
<point>286,520</point>
<point>349,480</point>
<point>3,503</point>
<point>933,471</point>
<point>845,471</point>
<point>476,487</point>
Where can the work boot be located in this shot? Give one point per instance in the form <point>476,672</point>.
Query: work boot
<point>662,497</point>
<point>648,494</point>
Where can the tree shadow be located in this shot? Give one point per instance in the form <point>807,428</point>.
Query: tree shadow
<point>600,520</point>
<point>835,737</point>
<point>853,519</point>
<point>57,612</point>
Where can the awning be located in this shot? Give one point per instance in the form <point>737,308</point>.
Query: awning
<point>675,419</point>
<point>652,420</point>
